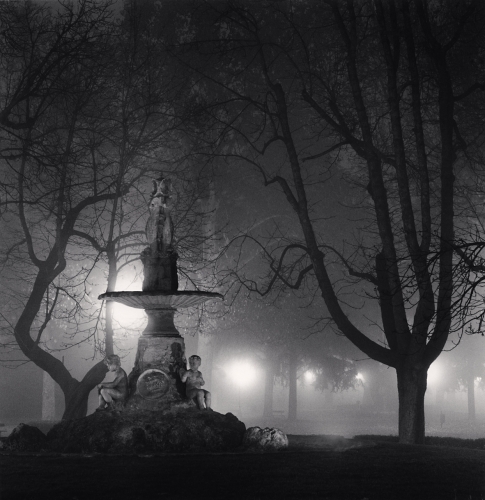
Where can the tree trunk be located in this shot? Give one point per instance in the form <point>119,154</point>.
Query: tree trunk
<point>76,397</point>
<point>111,287</point>
<point>268,389</point>
<point>411,385</point>
<point>48,397</point>
<point>471,393</point>
<point>328,397</point>
<point>109,347</point>
<point>440,397</point>
<point>75,393</point>
<point>292,400</point>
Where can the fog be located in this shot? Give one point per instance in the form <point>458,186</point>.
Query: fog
<point>235,353</point>
<point>237,384</point>
<point>234,359</point>
<point>271,354</point>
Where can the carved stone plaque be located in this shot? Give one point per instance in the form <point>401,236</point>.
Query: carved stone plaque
<point>153,384</point>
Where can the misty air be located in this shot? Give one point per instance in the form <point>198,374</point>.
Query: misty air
<point>243,249</point>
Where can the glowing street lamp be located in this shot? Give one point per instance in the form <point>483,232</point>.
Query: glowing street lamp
<point>242,373</point>
<point>310,377</point>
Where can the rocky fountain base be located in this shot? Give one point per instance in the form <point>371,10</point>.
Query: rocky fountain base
<point>156,416</point>
<point>183,428</point>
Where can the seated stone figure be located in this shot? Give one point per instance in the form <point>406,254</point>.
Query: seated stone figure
<point>117,389</point>
<point>194,382</point>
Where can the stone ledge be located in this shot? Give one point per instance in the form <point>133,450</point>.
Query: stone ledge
<point>175,430</point>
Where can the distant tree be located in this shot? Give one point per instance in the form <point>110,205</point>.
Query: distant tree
<point>466,362</point>
<point>277,335</point>
<point>470,369</point>
<point>463,369</point>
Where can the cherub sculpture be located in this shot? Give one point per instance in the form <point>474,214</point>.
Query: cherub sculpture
<point>194,382</point>
<point>117,389</point>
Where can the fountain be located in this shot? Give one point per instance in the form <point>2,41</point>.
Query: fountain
<point>157,415</point>
<point>154,382</point>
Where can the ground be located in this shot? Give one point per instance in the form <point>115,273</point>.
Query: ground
<point>318,464</point>
<point>322,467</point>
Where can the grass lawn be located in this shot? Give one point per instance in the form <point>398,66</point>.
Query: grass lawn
<point>322,467</point>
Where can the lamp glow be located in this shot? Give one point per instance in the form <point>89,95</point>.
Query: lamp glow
<point>242,373</point>
<point>127,316</point>
<point>310,377</point>
<point>434,373</point>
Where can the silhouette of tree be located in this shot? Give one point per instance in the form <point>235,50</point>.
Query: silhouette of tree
<point>381,91</point>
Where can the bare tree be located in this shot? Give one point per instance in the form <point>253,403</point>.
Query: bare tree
<point>373,87</point>
<point>90,111</point>
<point>57,60</point>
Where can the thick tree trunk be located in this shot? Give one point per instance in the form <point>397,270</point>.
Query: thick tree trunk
<point>292,377</point>
<point>76,397</point>
<point>411,385</point>
<point>268,390</point>
<point>75,393</point>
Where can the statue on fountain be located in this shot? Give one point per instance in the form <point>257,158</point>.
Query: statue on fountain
<point>117,389</point>
<point>159,258</point>
<point>159,227</point>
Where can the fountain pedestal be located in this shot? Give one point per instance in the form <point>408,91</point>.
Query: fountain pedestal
<point>155,381</point>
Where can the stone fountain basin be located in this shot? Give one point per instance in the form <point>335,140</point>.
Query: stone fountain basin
<point>160,300</point>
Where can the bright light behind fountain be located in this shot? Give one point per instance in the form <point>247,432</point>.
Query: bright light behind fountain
<point>128,317</point>
<point>124,316</point>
